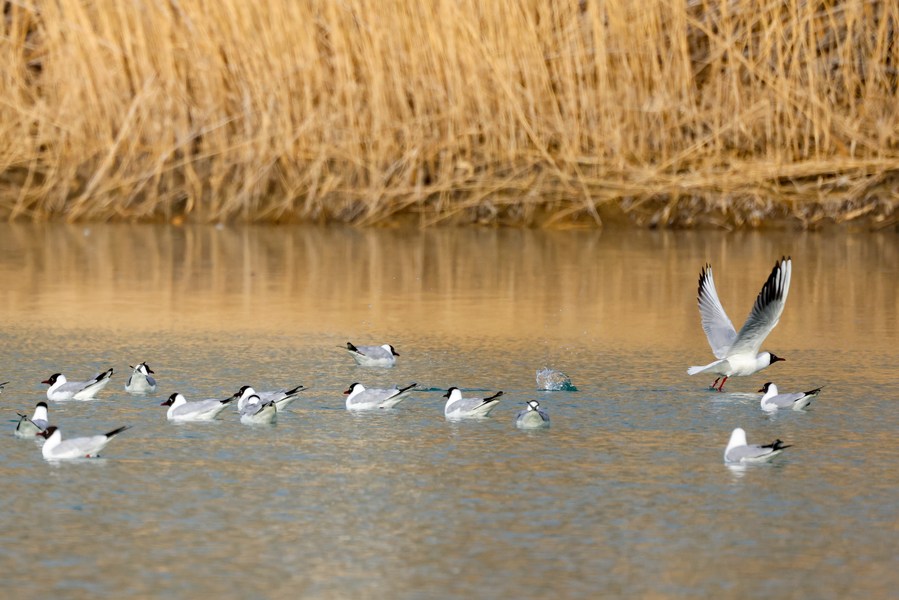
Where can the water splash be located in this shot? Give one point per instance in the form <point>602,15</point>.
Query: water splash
<point>554,381</point>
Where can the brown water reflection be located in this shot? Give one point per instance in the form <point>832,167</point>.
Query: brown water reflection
<point>627,288</point>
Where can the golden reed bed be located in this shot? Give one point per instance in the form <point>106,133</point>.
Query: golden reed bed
<point>660,113</point>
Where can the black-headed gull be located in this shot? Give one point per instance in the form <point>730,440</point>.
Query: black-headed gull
<point>533,417</point>
<point>281,398</point>
<point>141,381</point>
<point>738,353</point>
<point>62,389</point>
<point>39,421</point>
<point>738,451</point>
<point>458,407</point>
<point>200,410</point>
<point>361,398</point>
<point>257,412</point>
<point>373,356</point>
<point>772,401</point>
<point>83,447</point>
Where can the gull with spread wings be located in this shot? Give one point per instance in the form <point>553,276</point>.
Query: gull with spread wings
<point>738,353</point>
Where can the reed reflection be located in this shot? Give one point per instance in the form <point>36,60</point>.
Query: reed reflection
<point>633,288</point>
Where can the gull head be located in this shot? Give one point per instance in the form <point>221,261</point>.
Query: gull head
<point>453,394</point>
<point>354,387</point>
<point>56,377</point>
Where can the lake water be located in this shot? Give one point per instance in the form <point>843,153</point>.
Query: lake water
<point>626,495</point>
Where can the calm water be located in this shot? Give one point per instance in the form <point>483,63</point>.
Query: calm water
<point>625,495</point>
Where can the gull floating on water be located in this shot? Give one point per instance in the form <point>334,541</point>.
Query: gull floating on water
<point>281,398</point>
<point>772,401</point>
<point>62,389</point>
<point>39,421</point>
<point>141,381</point>
<point>200,410</point>
<point>458,407</point>
<point>373,356</point>
<point>533,417</point>
<point>83,447</point>
<point>257,412</point>
<point>737,353</point>
<point>738,451</point>
<point>360,398</point>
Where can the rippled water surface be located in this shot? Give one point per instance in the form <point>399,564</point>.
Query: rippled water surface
<point>626,495</point>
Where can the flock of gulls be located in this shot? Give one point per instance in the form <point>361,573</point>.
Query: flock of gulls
<point>736,354</point>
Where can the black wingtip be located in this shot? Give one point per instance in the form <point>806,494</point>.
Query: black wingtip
<point>703,277</point>
<point>295,390</point>
<point>351,347</point>
<point>408,387</point>
<point>813,392</point>
<point>777,445</point>
<point>494,396</point>
<point>773,289</point>
<point>118,431</point>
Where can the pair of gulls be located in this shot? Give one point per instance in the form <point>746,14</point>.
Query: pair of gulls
<point>255,408</point>
<point>55,448</point>
<point>737,353</point>
<point>140,381</point>
<point>457,408</point>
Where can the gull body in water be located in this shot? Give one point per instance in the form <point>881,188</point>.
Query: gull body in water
<point>358,397</point>
<point>55,448</point>
<point>200,410</point>
<point>62,389</point>
<point>39,421</point>
<point>740,452</point>
<point>281,398</point>
<point>738,353</point>
<point>458,407</point>
<point>533,417</point>
<point>141,380</point>
<point>257,412</point>
<point>772,401</point>
<point>373,356</point>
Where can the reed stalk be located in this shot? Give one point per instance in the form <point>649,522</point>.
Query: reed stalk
<point>724,112</point>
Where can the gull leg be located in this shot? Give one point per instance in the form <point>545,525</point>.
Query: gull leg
<point>712,387</point>
<point>721,387</point>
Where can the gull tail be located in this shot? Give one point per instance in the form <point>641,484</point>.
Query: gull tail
<point>695,370</point>
<point>117,431</point>
<point>493,397</point>
<point>295,390</point>
<point>104,375</point>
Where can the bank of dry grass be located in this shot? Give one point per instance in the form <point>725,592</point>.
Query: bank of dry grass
<point>728,112</point>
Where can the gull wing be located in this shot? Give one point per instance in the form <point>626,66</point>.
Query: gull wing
<point>766,311</point>
<point>717,326</point>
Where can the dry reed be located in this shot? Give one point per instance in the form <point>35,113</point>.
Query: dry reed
<point>540,112</point>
